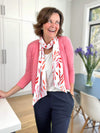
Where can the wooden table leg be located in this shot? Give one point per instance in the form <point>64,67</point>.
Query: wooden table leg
<point>72,121</point>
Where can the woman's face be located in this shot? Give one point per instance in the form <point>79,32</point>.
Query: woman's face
<point>51,28</point>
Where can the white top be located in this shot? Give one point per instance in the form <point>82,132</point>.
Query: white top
<point>49,74</point>
<point>9,122</point>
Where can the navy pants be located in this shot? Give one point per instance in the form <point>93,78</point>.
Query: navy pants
<point>53,112</point>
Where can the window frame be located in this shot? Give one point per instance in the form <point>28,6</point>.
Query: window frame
<point>87,24</point>
<point>92,9</point>
<point>90,26</point>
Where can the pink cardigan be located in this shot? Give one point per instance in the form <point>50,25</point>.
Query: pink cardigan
<point>67,54</point>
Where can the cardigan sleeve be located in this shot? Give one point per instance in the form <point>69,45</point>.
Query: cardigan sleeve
<point>27,76</point>
<point>70,59</point>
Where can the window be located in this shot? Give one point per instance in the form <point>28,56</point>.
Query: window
<point>94,30</point>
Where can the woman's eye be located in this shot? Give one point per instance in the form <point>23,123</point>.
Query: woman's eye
<point>57,22</point>
<point>49,21</point>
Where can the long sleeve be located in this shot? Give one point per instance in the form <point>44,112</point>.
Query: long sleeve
<point>70,59</point>
<point>27,76</point>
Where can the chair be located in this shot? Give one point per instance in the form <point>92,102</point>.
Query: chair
<point>77,106</point>
<point>91,107</point>
<point>76,109</point>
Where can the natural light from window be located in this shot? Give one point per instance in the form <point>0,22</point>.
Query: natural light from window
<point>94,30</point>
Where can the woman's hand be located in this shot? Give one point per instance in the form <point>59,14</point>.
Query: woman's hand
<point>3,94</point>
<point>72,93</point>
<point>72,89</point>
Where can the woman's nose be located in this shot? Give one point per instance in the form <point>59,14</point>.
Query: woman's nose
<point>53,24</point>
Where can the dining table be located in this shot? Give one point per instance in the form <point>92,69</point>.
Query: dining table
<point>80,85</point>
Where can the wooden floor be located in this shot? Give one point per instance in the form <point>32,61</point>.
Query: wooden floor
<point>22,105</point>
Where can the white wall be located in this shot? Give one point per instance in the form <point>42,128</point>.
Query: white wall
<point>76,32</point>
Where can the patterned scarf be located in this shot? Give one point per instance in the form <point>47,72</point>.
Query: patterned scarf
<point>57,68</point>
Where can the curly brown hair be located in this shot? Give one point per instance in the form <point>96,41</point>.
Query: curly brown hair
<point>43,18</point>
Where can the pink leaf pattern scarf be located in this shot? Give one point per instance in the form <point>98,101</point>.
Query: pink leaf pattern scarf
<point>57,67</point>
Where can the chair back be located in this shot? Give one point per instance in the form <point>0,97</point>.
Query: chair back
<point>91,106</point>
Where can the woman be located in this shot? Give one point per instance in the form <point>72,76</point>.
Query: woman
<point>50,68</point>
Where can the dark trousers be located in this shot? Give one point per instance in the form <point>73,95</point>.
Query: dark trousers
<point>53,112</point>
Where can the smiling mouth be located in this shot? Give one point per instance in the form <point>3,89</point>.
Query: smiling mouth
<point>51,30</point>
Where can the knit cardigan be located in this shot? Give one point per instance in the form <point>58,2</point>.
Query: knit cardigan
<point>67,54</point>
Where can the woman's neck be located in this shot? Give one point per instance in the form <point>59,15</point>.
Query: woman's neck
<point>47,40</point>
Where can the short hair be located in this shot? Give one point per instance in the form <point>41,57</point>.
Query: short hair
<point>43,18</point>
